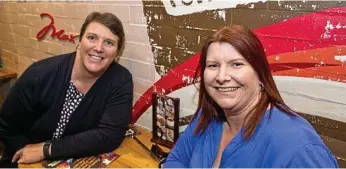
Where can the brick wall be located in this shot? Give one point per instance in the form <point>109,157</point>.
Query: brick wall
<point>20,22</point>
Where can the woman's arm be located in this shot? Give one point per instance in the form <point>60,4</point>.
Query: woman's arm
<point>17,112</point>
<point>109,133</point>
<point>313,156</point>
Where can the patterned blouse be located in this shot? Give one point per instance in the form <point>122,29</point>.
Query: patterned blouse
<point>72,99</point>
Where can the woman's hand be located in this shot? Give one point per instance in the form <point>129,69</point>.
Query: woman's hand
<point>17,155</point>
<point>29,154</point>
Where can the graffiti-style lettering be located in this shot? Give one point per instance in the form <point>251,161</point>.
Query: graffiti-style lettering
<point>186,3</point>
<point>183,7</point>
<point>59,34</point>
<point>200,1</point>
<point>173,3</point>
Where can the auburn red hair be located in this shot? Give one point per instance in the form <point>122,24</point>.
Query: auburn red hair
<point>250,47</point>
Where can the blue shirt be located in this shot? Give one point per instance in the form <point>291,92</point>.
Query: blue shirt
<point>279,140</point>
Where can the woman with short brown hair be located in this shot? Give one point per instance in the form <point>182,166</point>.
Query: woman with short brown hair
<point>72,105</point>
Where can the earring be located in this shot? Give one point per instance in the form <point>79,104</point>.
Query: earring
<point>261,86</point>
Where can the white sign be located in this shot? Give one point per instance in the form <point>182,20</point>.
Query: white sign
<point>182,7</point>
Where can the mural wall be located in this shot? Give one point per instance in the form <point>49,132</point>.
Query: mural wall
<point>305,42</point>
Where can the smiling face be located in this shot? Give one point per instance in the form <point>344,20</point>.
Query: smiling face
<point>98,48</point>
<point>229,79</point>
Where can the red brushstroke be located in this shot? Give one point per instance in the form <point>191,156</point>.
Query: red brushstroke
<point>304,32</point>
<point>316,63</point>
<point>303,46</point>
<point>59,34</point>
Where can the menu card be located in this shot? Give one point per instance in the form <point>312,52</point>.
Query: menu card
<point>99,161</point>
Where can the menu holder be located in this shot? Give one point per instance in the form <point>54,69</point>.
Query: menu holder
<point>165,120</point>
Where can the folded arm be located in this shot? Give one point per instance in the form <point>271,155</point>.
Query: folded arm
<point>107,136</point>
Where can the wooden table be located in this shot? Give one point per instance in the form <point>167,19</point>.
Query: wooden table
<point>132,155</point>
<point>7,74</point>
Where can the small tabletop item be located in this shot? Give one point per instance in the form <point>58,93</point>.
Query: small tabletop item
<point>100,161</point>
<point>165,120</point>
<point>132,131</point>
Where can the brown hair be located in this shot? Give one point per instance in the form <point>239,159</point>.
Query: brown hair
<point>249,46</point>
<point>109,20</point>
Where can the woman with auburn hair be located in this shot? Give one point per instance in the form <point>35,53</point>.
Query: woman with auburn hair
<point>241,119</point>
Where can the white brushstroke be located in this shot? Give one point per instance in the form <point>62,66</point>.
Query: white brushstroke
<point>311,96</point>
<point>314,6</point>
<point>314,96</point>
<point>180,9</point>
<point>340,58</point>
<point>329,26</point>
<point>222,14</point>
<point>156,16</point>
<point>196,28</point>
<point>277,58</point>
<point>158,47</point>
<point>162,70</point>
<point>291,7</point>
<point>187,79</point>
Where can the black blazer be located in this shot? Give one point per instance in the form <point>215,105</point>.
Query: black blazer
<point>32,108</point>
